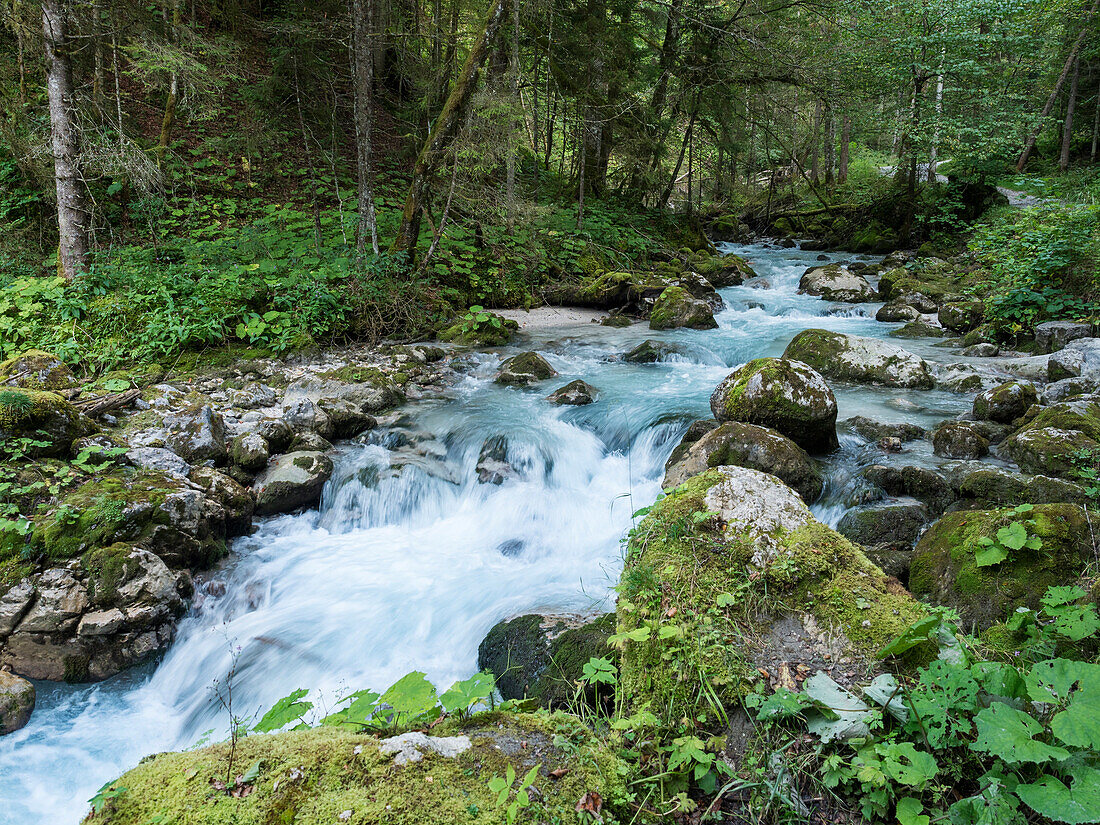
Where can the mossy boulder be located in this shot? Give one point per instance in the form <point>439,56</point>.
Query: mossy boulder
<point>42,417</point>
<point>485,334</point>
<point>919,329</point>
<point>1047,442</point>
<point>747,445</point>
<point>959,439</point>
<point>676,307</point>
<point>836,283</point>
<point>861,360</point>
<point>328,775</point>
<point>895,523</point>
<point>523,369</point>
<point>924,485</point>
<point>1005,402</point>
<point>574,394</point>
<point>783,394</point>
<point>871,430</point>
<point>961,316</point>
<point>897,311</point>
<point>731,572</point>
<point>37,370</point>
<point>542,657</point>
<point>944,566</point>
<point>292,481</point>
<point>17,698</point>
<point>652,351</point>
<point>998,486</point>
<point>721,270</point>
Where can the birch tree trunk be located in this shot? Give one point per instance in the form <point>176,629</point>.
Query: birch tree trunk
<point>446,128</point>
<point>934,157</point>
<point>72,202</point>
<point>362,57</point>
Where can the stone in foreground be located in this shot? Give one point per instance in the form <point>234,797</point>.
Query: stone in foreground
<point>16,702</point>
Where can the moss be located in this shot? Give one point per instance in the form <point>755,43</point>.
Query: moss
<point>944,567</point>
<point>36,370</point>
<point>784,400</point>
<point>107,568</point>
<point>919,329</point>
<point>678,566</point>
<point>675,307</point>
<point>311,777</point>
<point>485,335</point>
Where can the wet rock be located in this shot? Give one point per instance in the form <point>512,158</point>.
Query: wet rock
<point>919,329</point>
<point>159,459</point>
<point>310,443</point>
<point>575,393</point>
<point>493,466</point>
<point>759,283</point>
<point>944,567</point>
<point>982,350</point>
<point>695,431</point>
<point>542,657</point>
<point>961,316</point>
<point>617,321</point>
<point>897,311</point>
<point>959,439</point>
<point>676,307</point>
<point>873,431</point>
<point>252,396</point>
<point>523,369</point>
<point>197,436</point>
<point>36,370</point>
<point>747,445</point>
<point>836,283</point>
<point>250,452</point>
<point>966,378</point>
<point>895,523</point>
<point>1005,403</point>
<point>43,416</point>
<point>17,697</point>
<point>1067,388</point>
<point>1054,335</point>
<point>651,351</point>
<point>235,499</point>
<point>863,360</point>
<point>303,414</point>
<point>59,600</point>
<point>1046,443</point>
<point>348,417</point>
<point>783,394</point>
<point>291,481</point>
<point>1080,358</point>
<point>998,486</point>
<point>276,432</point>
<point>700,288</point>
<point>14,606</point>
<point>920,483</point>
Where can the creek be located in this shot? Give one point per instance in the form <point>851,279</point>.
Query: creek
<point>407,569</point>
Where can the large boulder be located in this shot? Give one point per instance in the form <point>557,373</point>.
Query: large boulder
<point>1078,359</point>
<point>523,369</point>
<point>292,481</point>
<point>17,697</point>
<point>42,417</point>
<point>747,445</point>
<point>961,316</point>
<point>652,351</point>
<point>945,563</point>
<point>1052,335</point>
<point>863,360</point>
<point>676,307</point>
<point>837,283</point>
<point>887,531</point>
<point>542,657</point>
<point>250,451</point>
<point>959,439</point>
<point>783,394</point>
<point>332,774</point>
<point>735,549</point>
<point>1048,441</point>
<point>996,486</point>
<point>1005,403</point>
<point>575,394</point>
<point>37,370</point>
<point>197,436</point>
<point>920,483</point>
<point>870,430</point>
<point>894,311</point>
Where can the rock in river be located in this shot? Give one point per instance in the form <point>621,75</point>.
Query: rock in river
<point>291,481</point>
<point>864,360</point>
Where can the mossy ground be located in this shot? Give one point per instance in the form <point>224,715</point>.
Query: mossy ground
<point>326,776</point>
<point>692,583</point>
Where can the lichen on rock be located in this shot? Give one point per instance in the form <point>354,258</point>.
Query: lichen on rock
<point>865,360</point>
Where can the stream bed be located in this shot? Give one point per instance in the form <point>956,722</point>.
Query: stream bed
<point>407,569</point>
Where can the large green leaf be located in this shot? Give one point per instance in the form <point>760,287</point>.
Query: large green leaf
<point>412,695</point>
<point>1010,734</point>
<point>462,695</point>
<point>286,710</point>
<point>1049,797</point>
<point>1079,724</point>
<point>1052,680</point>
<point>1013,536</point>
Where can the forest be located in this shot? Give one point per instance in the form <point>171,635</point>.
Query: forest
<point>572,411</point>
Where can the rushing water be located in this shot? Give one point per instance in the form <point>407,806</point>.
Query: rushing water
<point>410,561</point>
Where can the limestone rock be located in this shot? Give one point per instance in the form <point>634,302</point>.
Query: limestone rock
<point>836,283</point>
<point>959,439</point>
<point>523,369</point>
<point>862,360</point>
<point>1005,403</point>
<point>292,481</point>
<point>17,698</point>
<point>199,436</point>
<point>1054,335</point>
<point>676,307</point>
<point>36,370</point>
<point>411,747</point>
<point>575,393</point>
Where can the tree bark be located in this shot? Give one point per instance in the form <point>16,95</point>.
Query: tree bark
<point>362,56</point>
<point>830,147</point>
<point>72,201</point>
<point>1067,129</point>
<point>446,128</point>
<point>1095,126</point>
<point>815,156</point>
<point>1030,145</point>
<point>172,26</point>
<point>845,141</point>
<point>934,158</point>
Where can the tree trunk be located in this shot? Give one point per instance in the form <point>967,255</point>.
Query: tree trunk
<point>1095,126</point>
<point>1030,145</point>
<point>679,162</point>
<point>172,34</point>
<point>362,57</point>
<point>934,156</point>
<point>582,145</point>
<point>845,141</point>
<point>830,148</point>
<point>446,128</point>
<point>512,142</point>
<point>1067,129</point>
<point>72,208</point>
<point>815,138</point>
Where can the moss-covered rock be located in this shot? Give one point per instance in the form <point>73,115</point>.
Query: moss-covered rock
<point>863,360</point>
<point>42,417</point>
<point>652,351</point>
<point>895,311</point>
<point>542,657</point>
<point>481,335</point>
<point>747,445</point>
<point>961,316</point>
<point>574,394</point>
<point>944,566</point>
<point>783,394</point>
<point>919,329</point>
<point>721,270</point>
<point>292,481</point>
<point>523,369</point>
<point>37,370</point>
<point>959,439</point>
<point>1006,402</point>
<point>17,697</point>
<point>836,283</point>
<point>329,775</point>
<point>716,569</point>
<point>998,486</point>
<point>924,485</point>
<point>894,523</point>
<point>676,307</point>
<point>1047,442</point>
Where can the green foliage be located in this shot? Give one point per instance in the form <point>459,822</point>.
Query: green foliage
<point>104,796</point>
<point>288,709</point>
<point>519,796</point>
<point>1011,537</point>
<point>1013,738</point>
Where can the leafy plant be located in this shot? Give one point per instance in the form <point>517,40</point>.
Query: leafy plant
<point>1012,537</point>
<point>513,799</point>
